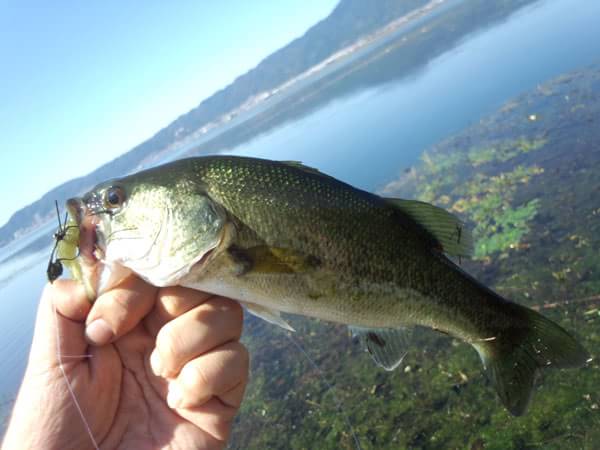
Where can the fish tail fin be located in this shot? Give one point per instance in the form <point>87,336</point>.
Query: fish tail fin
<point>513,358</point>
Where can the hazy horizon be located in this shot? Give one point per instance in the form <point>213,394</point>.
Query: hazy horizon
<point>89,83</point>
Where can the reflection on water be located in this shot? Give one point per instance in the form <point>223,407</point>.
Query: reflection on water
<point>382,115</point>
<point>18,303</point>
<point>365,123</point>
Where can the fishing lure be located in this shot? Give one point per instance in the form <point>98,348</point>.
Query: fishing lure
<point>65,246</point>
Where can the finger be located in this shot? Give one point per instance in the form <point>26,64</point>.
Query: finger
<point>210,389</point>
<point>119,310</point>
<point>59,324</point>
<point>213,417</point>
<point>70,299</point>
<point>55,367</point>
<point>172,302</point>
<point>213,323</point>
<point>222,373</point>
<point>73,306</point>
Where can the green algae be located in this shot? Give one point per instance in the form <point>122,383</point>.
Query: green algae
<point>533,206</point>
<point>504,150</point>
<point>484,200</point>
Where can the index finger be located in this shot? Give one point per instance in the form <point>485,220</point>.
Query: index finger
<point>119,310</point>
<point>172,302</point>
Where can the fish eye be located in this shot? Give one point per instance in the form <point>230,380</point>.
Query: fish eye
<point>114,197</point>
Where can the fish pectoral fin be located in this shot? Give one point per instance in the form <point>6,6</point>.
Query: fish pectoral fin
<point>446,229</point>
<point>265,259</point>
<point>387,346</point>
<point>270,315</point>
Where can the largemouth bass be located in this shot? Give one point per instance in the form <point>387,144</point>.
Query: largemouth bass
<point>283,237</point>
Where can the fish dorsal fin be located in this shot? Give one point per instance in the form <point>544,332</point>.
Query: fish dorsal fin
<point>270,315</point>
<point>299,165</point>
<point>307,169</point>
<point>448,230</point>
<point>387,346</point>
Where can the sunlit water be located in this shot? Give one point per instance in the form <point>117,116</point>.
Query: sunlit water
<point>369,135</point>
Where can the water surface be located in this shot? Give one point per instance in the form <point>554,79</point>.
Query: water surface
<point>366,122</point>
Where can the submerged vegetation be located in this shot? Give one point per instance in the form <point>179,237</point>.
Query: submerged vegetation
<point>527,181</point>
<point>487,200</point>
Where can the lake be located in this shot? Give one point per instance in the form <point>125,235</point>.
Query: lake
<point>366,122</point>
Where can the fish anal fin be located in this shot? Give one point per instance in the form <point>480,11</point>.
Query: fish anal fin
<point>445,228</point>
<point>387,346</point>
<point>267,314</point>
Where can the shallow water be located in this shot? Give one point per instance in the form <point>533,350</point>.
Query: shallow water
<point>366,123</point>
<point>380,125</point>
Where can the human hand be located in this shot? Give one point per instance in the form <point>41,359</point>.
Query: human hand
<point>198,366</point>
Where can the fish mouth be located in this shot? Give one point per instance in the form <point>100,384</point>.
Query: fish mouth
<point>89,250</point>
<point>91,253</point>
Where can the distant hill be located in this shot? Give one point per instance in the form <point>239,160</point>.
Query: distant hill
<point>350,20</point>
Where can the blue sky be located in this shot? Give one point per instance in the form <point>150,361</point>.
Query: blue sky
<point>82,82</point>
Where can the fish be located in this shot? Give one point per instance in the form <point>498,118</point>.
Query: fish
<point>282,237</point>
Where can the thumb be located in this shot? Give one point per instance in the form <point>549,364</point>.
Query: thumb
<point>59,328</point>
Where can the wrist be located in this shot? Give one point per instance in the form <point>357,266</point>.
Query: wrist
<point>37,420</point>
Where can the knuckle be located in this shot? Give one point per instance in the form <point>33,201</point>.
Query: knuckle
<point>195,376</point>
<point>170,303</point>
<point>238,313</point>
<point>232,308</point>
<point>176,299</point>
<point>242,356</point>
<point>116,309</point>
<point>123,307</point>
<point>227,313</point>
<point>168,345</point>
<point>110,307</point>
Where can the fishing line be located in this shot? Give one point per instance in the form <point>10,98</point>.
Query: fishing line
<point>336,399</point>
<point>54,271</point>
<point>59,358</point>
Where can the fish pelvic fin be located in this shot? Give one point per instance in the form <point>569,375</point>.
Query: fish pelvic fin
<point>513,357</point>
<point>268,314</point>
<point>387,346</point>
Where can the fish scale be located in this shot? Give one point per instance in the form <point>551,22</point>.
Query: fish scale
<point>283,237</point>
<point>386,252</point>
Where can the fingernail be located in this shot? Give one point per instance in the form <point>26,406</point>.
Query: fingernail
<point>156,363</point>
<point>174,396</point>
<point>98,332</point>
